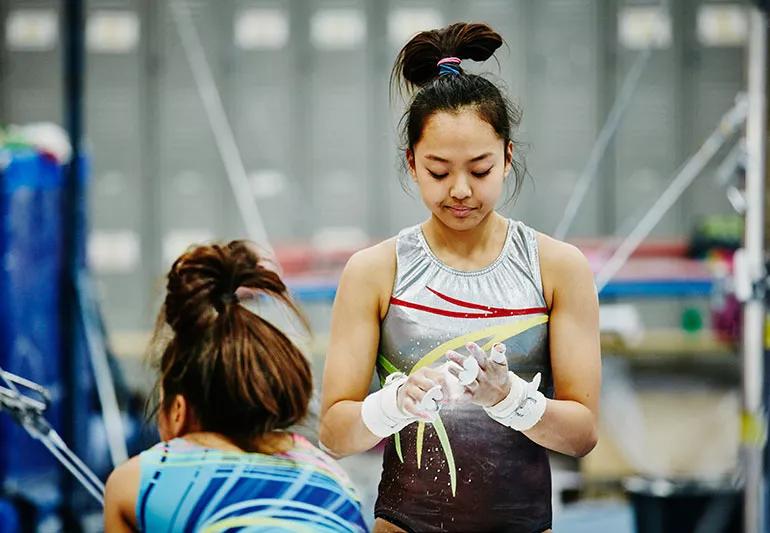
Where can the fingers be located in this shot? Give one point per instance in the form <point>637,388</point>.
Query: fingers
<point>450,384</point>
<point>470,366</point>
<point>430,399</point>
<point>466,369</point>
<point>470,371</point>
<point>432,374</point>
<point>474,378</point>
<point>497,354</point>
<point>479,354</point>
<point>444,376</point>
<point>422,393</point>
<point>455,357</point>
<point>412,407</point>
<point>454,368</point>
<point>481,376</point>
<point>423,380</point>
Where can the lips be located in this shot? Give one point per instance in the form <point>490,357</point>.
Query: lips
<point>460,211</point>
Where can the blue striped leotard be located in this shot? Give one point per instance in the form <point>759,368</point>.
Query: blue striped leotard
<point>185,487</point>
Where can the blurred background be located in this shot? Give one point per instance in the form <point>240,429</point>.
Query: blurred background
<point>201,120</point>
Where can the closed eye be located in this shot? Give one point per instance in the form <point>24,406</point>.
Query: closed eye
<point>483,173</point>
<point>438,176</point>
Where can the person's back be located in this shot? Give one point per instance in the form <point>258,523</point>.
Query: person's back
<point>230,384</point>
<point>185,486</point>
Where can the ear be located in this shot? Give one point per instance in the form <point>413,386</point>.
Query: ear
<point>174,421</point>
<point>411,164</point>
<point>508,158</point>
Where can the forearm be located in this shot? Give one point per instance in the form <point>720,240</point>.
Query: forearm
<point>567,427</point>
<point>343,431</point>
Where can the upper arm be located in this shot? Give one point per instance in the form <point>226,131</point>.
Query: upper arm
<point>362,294</point>
<point>120,495</point>
<point>574,324</point>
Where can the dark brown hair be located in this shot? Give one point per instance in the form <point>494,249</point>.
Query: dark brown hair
<point>416,69</point>
<point>241,376</point>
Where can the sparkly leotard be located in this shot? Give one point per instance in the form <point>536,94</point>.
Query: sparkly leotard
<point>466,472</point>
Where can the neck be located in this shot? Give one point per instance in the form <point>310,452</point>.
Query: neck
<point>466,243</point>
<point>273,442</point>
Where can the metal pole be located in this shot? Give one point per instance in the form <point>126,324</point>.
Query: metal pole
<point>72,363</point>
<point>105,386</point>
<point>694,166</point>
<point>753,437</point>
<point>614,119</point>
<point>220,125</point>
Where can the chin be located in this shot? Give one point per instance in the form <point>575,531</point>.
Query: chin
<point>459,224</point>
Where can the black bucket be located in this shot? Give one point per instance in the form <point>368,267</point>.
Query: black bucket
<point>685,506</point>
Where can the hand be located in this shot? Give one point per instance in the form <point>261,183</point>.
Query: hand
<point>423,392</point>
<point>485,378</point>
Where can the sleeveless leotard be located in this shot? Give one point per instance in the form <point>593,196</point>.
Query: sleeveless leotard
<point>185,487</point>
<point>466,472</point>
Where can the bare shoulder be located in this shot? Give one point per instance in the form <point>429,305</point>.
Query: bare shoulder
<point>121,491</point>
<point>373,268</point>
<point>558,255</point>
<point>561,264</point>
<point>125,473</point>
<point>381,256</point>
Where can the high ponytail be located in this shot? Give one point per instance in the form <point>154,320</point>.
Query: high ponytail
<point>241,375</point>
<point>417,63</point>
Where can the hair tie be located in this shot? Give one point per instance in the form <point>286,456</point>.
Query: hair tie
<point>449,65</point>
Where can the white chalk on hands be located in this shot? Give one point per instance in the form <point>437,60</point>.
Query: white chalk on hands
<point>453,391</point>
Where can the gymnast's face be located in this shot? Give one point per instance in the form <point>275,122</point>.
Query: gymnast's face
<point>459,165</point>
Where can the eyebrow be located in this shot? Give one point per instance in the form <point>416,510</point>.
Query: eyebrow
<point>442,160</point>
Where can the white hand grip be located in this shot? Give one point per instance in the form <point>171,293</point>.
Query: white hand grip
<point>429,402</point>
<point>497,354</point>
<point>470,371</point>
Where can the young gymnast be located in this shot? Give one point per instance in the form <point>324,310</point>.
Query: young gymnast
<point>484,332</point>
<point>229,384</point>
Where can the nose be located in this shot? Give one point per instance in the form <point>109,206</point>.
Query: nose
<point>461,188</point>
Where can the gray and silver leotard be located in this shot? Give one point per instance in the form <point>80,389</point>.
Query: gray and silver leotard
<point>465,472</point>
